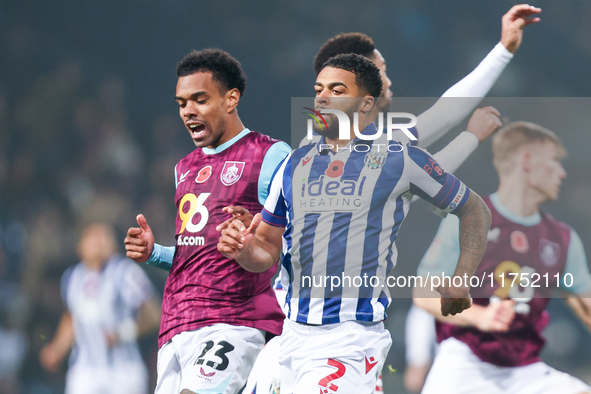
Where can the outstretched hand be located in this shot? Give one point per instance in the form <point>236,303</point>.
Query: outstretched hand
<point>513,23</point>
<point>139,242</point>
<point>236,236</point>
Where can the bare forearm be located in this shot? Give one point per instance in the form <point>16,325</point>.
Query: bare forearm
<point>430,301</point>
<point>64,336</point>
<point>474,225</point>
<point>259,256</point>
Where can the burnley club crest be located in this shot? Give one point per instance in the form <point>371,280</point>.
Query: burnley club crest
<point>232,172</point>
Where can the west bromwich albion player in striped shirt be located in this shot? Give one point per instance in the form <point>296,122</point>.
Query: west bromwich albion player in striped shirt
<point>341,203</point>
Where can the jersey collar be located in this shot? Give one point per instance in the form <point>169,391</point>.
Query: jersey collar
<point>225,145</point>
<point>529,221</point>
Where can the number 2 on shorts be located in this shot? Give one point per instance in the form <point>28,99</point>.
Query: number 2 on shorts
<point>327,381</point>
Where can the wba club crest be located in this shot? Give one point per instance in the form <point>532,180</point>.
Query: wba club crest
<point>375,160</point>
<point>232,172</point>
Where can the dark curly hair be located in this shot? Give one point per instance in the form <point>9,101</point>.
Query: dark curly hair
<point>357,43</point>
<point>226,70</point>
<point>367,75</point>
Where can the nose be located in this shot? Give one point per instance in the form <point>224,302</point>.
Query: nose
<point>562,172</point>
<point>189,110</point>
<point>322,99</point>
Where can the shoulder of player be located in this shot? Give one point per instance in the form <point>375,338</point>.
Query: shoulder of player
<point>556,223</point>
<point>69,272</point>
<point>260,139</point>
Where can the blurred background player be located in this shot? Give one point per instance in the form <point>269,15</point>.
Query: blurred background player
<point>215,314</point>
<point>327,330</point>
<point>110,302</point>
<point>494,346</point>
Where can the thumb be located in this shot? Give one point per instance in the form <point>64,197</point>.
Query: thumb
<point>256,221</point>
<point>141,220</point>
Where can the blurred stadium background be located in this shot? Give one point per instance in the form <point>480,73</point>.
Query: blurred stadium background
<point>89,129</point>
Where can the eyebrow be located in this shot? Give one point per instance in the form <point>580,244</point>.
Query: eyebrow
<point>331,85</point>
<point>192,96</point>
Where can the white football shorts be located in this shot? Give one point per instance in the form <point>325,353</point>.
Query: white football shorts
<point>456,370</point>
<point>346,356</point>
<point>215,359</point>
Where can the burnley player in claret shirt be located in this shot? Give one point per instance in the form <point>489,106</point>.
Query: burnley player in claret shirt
<point>494,347</point>
<point>215,314</point>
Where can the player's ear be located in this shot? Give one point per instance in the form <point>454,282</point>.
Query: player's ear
<point>232,98</point>
<point>366,104</point>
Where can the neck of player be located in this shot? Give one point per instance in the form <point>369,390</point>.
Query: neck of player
<point>233,128</point>
<point>520,198</point>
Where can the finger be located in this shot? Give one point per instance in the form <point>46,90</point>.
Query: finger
<point>256,221</point>
<point>135,241</point>
<point>237,225</point>
<point>238,210</point>
<point>233,233</point>
<point>136,248</point>
<point>134,231</point>
<point>141,220</point>
<point>134,255</point>
<point>523,8</point>
<point>230,241</point>
<point>532,21</point>
<point>227,251</point>
<point>224,225</point>
<point>493,110</point>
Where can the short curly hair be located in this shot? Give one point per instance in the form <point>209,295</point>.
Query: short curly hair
<point>358,43</point>
<point>367,75</point>
<point>226,70</point>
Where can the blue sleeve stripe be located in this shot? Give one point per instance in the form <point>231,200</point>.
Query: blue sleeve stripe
<point>272,161</point>
<point>449,186</point>
<point>273,220</point>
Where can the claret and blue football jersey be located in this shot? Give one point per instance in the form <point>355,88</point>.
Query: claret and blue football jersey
<point>342,212</point>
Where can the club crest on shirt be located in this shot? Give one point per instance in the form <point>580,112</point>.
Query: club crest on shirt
<point>375,160</point>
<point>549,252</point>
<point>232,172</point>
<point>519,242</point>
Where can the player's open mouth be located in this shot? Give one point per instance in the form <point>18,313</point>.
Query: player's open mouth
<point>197,130</point>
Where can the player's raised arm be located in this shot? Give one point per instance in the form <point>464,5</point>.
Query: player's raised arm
<point>461,99</point>
<point>255,248</point>
<point>475,220</point>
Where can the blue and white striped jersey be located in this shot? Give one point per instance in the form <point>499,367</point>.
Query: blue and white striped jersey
<point>342,212</point>
<point>99,301</point>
